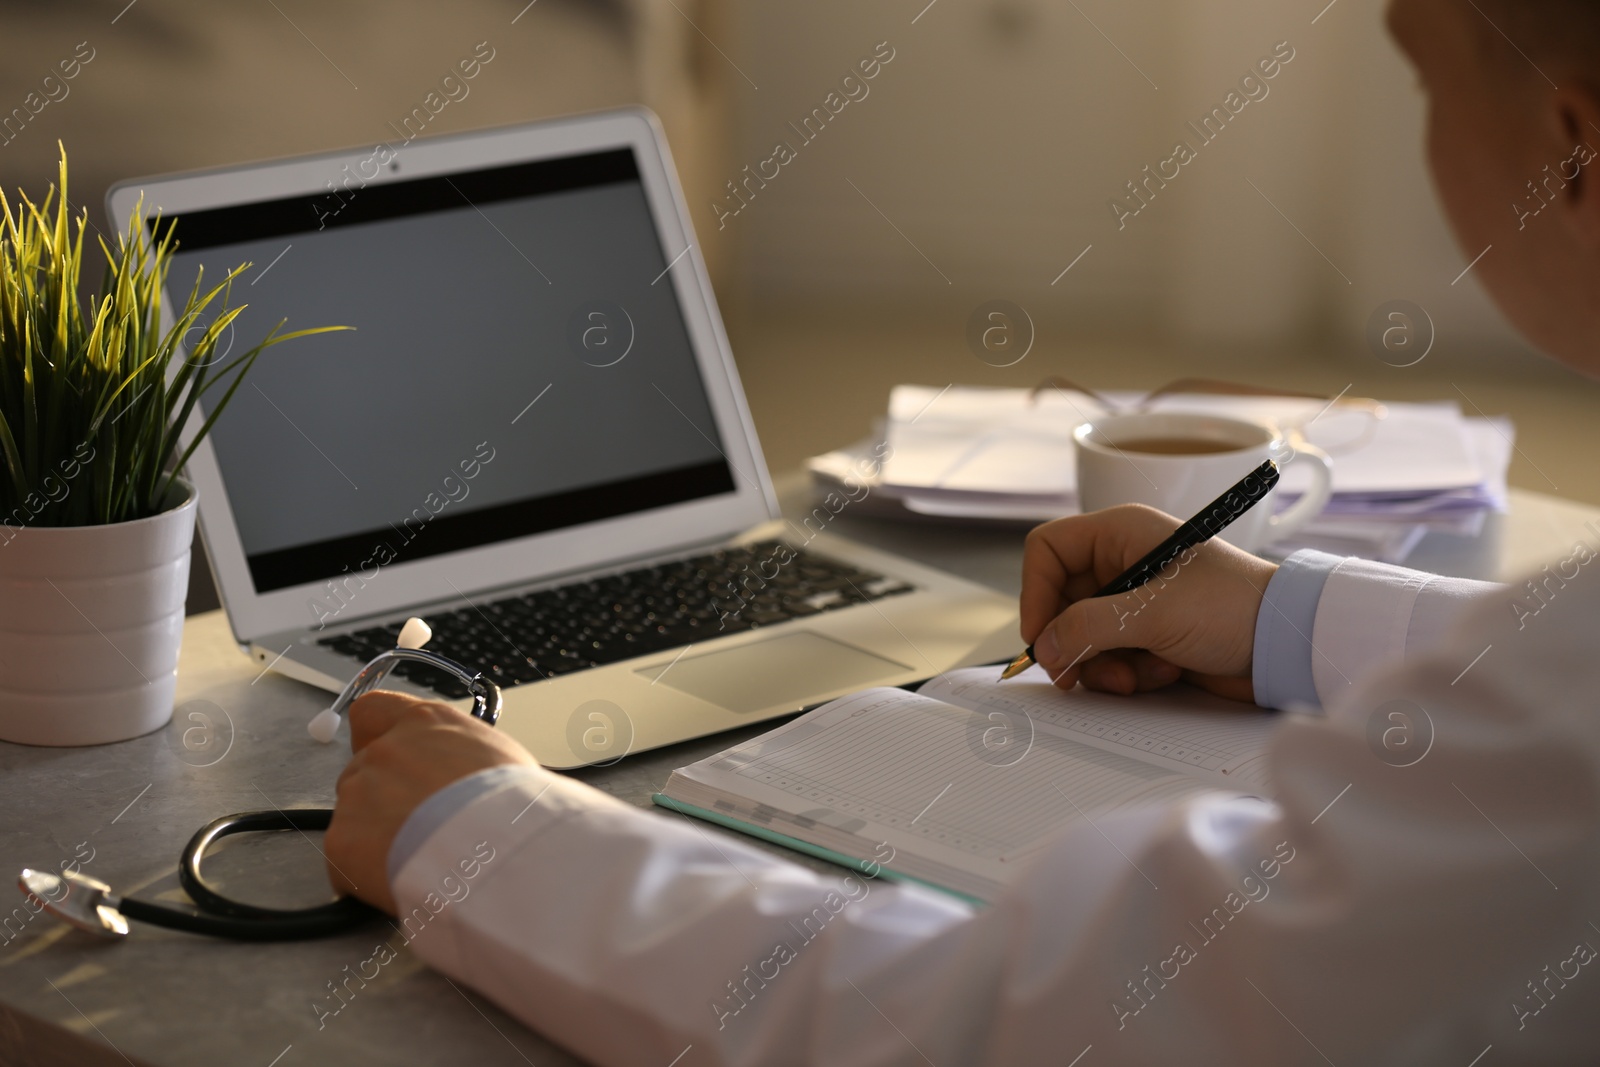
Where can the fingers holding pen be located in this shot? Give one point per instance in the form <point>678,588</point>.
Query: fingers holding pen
<point>1071,559</point>
<point>1092,641</point>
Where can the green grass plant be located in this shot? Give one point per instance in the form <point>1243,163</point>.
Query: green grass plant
<point>93,395</point>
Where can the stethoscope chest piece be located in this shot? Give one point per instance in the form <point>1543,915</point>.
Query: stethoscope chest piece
<point>74,898</point>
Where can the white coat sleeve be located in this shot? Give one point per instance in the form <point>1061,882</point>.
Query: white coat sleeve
<point>1379,909</point>
<point>1374,615</point>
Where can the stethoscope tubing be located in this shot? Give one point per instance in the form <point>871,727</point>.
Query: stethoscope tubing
<point>218,916</point>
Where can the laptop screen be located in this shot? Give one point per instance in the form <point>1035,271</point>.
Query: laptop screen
<point>519,364</point>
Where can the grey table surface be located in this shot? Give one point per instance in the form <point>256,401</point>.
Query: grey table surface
<point>237,742</point>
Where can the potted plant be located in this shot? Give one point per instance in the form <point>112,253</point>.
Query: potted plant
<point>95,521</point>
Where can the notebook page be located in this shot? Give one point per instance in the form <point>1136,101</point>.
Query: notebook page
<point>1182,728</point>
<point>887,765</point>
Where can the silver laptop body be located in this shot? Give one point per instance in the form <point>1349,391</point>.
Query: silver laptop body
<point>534,438</point>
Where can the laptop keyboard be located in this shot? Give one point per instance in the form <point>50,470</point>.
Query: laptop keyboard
<point>550,632</point>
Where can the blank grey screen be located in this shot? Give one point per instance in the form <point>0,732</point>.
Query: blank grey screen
<point>535,342</point>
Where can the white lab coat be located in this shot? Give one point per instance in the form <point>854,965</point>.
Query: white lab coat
<point>1371,914</point>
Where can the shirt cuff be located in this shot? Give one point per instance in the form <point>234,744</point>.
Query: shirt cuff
<point>433,812</point>
<point>1281,664</point>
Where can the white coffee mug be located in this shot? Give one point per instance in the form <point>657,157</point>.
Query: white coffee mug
<point>1182,461</point>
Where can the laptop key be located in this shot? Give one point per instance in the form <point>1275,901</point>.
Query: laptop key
<point>550,632</point>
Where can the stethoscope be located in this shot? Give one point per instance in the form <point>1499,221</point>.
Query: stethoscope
<point>89,904</point>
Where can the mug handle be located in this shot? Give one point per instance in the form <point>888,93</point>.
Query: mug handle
<point>1309,506</point>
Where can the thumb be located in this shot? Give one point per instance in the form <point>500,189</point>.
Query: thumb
<point>1087,628</point>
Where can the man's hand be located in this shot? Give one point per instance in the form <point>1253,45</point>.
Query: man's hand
<point>404,751</point>
<point>1196,621</point>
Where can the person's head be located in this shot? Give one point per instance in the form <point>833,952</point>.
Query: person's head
<point>1514,88</point>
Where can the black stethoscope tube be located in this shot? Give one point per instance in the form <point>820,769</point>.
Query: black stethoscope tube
<point>217,915</point>
<point>221,917</point>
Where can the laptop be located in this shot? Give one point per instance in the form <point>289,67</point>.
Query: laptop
<point>534,438</point>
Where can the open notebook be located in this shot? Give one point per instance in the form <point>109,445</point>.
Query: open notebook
<point>968,777</point>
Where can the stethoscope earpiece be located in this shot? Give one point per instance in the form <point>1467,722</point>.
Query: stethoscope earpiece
<point>408,648</point>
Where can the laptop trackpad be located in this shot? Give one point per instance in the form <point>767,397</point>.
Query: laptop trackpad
<point>789,669</point>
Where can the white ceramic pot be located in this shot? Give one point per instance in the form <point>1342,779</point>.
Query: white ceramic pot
<point>91,618</point>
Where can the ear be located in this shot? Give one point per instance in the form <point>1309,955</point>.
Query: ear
<point>1577,118</point>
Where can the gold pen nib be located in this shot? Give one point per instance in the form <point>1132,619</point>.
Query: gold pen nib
<point>1018,665</point>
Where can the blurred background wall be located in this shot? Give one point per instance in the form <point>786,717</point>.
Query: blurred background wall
<point>1002,129</point>
<point>184,84</point>
<point>978,163</point>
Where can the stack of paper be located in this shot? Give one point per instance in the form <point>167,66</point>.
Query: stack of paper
<point>999,455</point>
